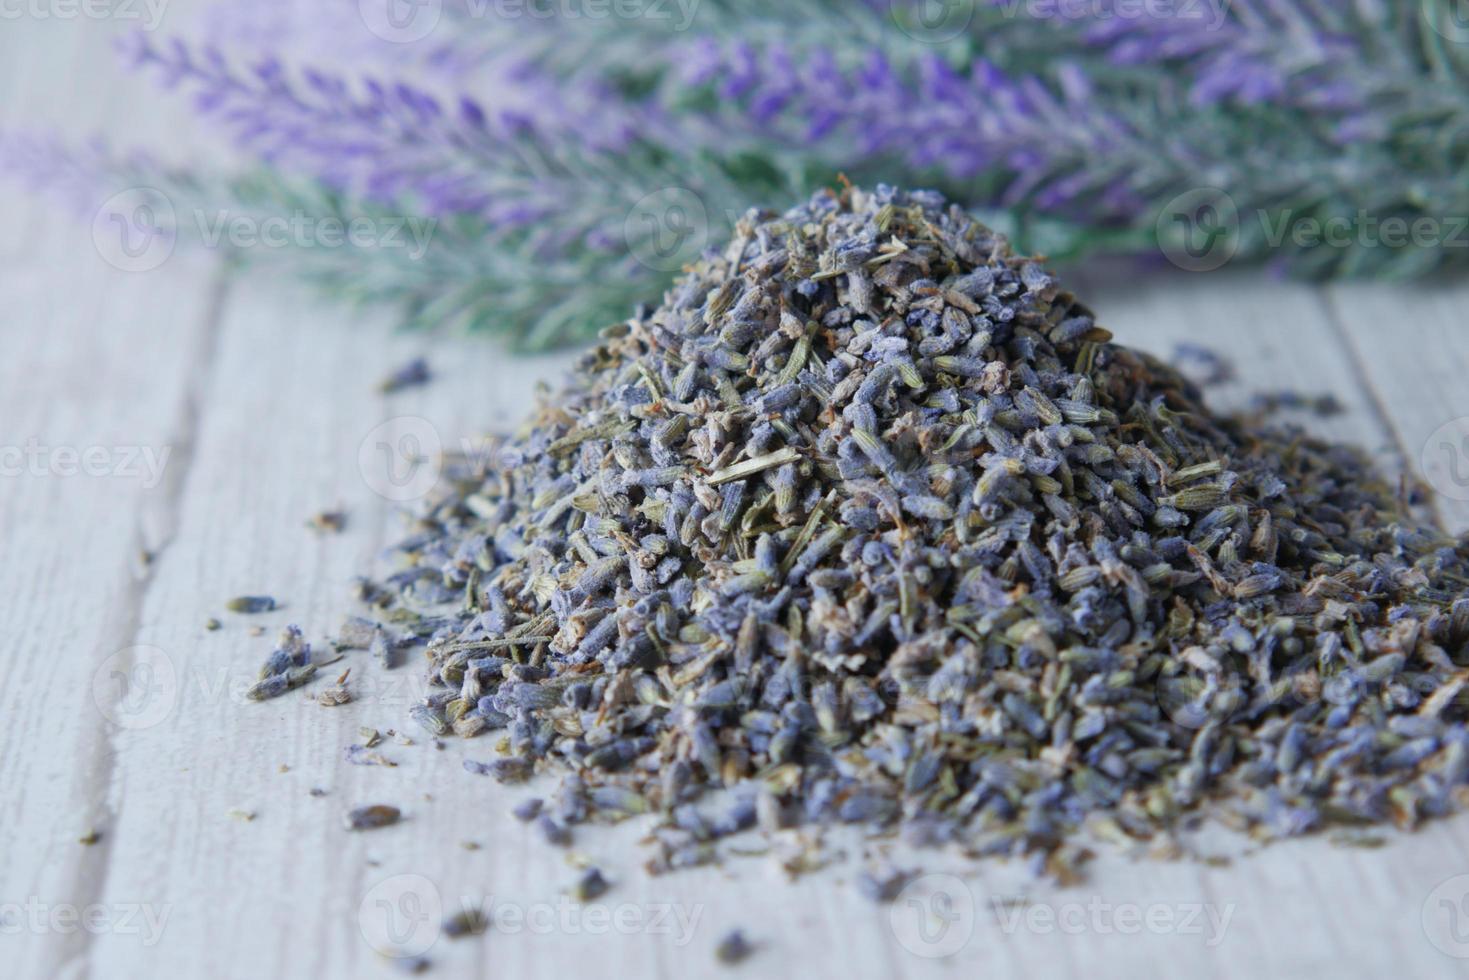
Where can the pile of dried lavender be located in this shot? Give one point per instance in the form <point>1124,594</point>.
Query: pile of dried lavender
<point>870,523</point>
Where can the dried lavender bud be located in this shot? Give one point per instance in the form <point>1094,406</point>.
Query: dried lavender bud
<point>372,817</point>
<point>733,948</point>
<point>557,835</point>
<point>335,696</point>
<point>288,667</point>
<point>328,522</point>
<point>511,770</point>
<point>527,810</point>
<point>469,922</point>
<point>884,885</point>
<point>589,886</point>
<point>410,375</point>
<point>913,545</point>
<point>251,604</point>
<point>383,649</point>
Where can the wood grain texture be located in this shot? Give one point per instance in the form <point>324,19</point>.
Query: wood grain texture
<point>1411,348</point>
<point>122,713</point>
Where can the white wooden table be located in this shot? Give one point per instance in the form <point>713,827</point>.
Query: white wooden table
<point>262,398</point>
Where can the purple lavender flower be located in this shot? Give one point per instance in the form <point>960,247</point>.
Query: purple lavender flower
<point>1244,50</point>
<point>392,141</point>
<point>82,177</point>
<point>932,118</point>
<point>1041,137</point>
<point>291,29</point>
<point>536,137</point>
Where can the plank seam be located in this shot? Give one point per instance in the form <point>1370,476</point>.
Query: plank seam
<point>93,872</point>
<point>1378,406</point>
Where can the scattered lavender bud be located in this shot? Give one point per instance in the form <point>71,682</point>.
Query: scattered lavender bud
<point>251,604</point>
<point>589,886</point>
<point>555,834</point>
<point>733,948</point>
<point>527,810</point>
<point>372,817</point>
<point>469,922</point>
<point>414,373</point>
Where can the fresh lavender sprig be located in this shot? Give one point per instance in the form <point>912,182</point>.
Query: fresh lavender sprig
<point>534,148</point>
<point>1365,69</point>
<point>1101,118</point>
<point>451,154</point>
<point>392,141</point>
<point>1302,114</point>
<point>539,282</point>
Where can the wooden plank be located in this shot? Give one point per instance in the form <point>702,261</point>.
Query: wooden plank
<point>95,430</point>
<point>96,370</point>
<point>1412,349</point>
<point>1276,335</point>
<point>273,448</point>
<point>292,400</point>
